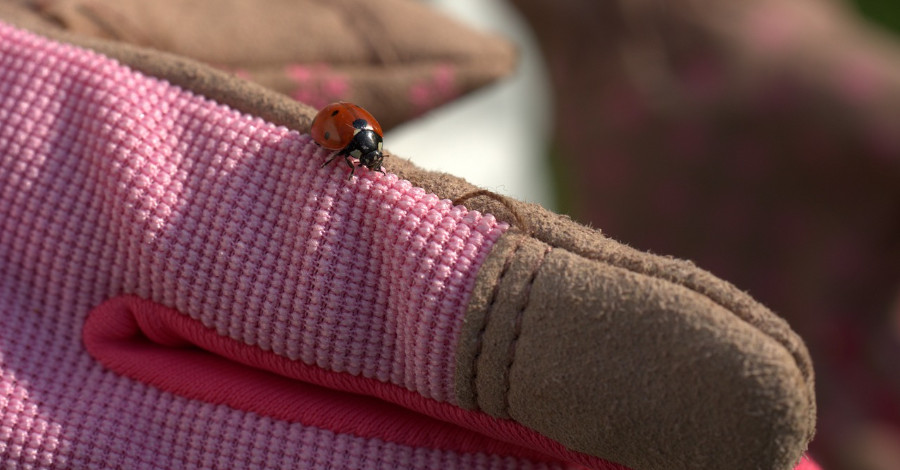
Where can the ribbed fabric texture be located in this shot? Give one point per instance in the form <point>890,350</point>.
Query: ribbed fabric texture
<point>112,182</point>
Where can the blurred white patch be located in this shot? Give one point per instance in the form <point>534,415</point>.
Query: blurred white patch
<point>495,138</point>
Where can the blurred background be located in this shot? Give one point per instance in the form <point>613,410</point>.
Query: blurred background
<point>759,139</point>
<point>499,134</point>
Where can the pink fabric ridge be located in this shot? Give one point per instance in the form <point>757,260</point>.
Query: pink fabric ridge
<point>157,345</point>
<point>231,220</point>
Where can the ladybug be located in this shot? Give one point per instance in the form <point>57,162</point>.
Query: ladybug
<point>349,131</point>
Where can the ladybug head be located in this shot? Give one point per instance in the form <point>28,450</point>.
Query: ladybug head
<point>372,160</point>
<point>367,147</point>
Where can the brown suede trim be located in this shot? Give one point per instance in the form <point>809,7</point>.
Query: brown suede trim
<point>782,382</point>
<point>626,366</point>
<point>633,357</point>
<point>493,327</point>
<point>396,58</point>
<point>559,231</point>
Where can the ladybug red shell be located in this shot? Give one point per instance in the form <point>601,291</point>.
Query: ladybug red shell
<point>352,132</point>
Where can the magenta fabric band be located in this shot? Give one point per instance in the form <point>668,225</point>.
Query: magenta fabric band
<point>152,343</point>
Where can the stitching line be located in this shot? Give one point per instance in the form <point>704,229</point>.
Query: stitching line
<point>517,326</point>
<point>479,339</point>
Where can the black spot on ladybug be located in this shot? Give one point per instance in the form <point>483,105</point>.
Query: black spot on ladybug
<point>360,124</point>
<point>335,112</point>
<point>327,135</point>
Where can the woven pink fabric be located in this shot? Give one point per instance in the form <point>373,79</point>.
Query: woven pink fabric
<point>159,346</point>
<point>113,182</point>
<point>117,182</point>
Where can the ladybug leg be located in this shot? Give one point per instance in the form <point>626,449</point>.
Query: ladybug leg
<point>352,168</point>
<point>330,159</point>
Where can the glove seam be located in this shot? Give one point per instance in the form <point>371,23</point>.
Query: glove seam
<point>479,339</point>
<point>517,325</point>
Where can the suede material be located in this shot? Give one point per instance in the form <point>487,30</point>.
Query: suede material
<point>673,375</point>
<point>693,425</point>
<point>397,58</point>
<point>566,326</point>
<point>494,322</point>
